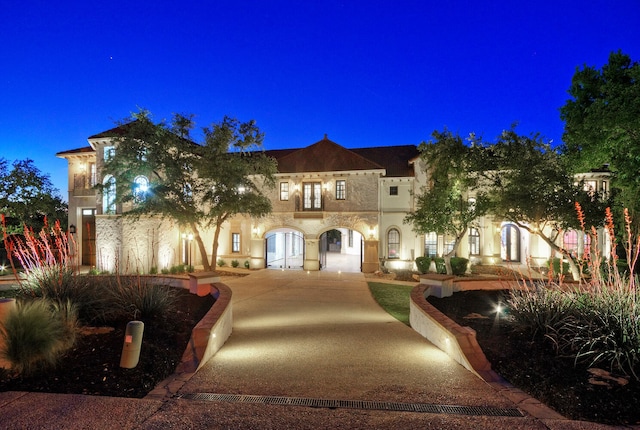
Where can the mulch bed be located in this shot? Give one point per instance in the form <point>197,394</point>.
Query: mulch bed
<point>93,365</point>
<point>533,366</point>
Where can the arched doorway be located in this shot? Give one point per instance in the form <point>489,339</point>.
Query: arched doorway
<point>341,250</point>
<point>284,249</point>
<point>510,243</point>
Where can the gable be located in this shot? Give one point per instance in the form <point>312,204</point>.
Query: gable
<point>324,156</point>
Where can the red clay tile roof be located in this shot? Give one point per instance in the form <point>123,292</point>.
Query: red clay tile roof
<point>112,132</point>
<point>328,156</point>
<point>84,149</point>
<point>324,156</point>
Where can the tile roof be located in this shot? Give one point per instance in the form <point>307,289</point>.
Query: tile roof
<point>115,131</point>
<point>328,156</point>
<point>83,150</point>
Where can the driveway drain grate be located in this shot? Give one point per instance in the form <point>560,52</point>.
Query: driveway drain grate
<point>356,404</point>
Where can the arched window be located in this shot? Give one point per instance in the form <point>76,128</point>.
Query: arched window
<point>474,241</point>
<point>109,195</point>
<point>393,243</point>
<point>140,188</point>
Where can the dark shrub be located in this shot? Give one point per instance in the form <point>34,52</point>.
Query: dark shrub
<point>459,265</point>
<point>422,263</point>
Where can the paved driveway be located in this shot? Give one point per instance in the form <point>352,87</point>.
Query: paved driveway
<point>322,335</point>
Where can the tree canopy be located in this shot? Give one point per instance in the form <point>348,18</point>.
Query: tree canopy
<point>602,124</point>
<point>197,185</point>
<point>529,185</point>
<point>27,197</point>
<point>452,201</point>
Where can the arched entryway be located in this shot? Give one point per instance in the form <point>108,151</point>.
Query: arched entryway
<point>284,249</point>
<point>510,243</point>
<point>341,250</point>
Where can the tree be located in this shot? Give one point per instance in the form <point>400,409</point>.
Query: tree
<point>27,197</point>
<point>529,185</point>
<point>197,186</point>
<point>602,124</point>
<point>452,201</point>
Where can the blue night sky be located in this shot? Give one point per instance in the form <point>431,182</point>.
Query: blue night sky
<point>367,73</point>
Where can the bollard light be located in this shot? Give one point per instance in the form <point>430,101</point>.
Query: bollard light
<point>132,342</point>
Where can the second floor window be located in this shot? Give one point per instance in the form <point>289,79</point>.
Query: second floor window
<point>341,190</point>
<point>284,191</point>
<point>140,188</point>
<point>109,152</point>
<point>393,190</point>
<point>312,196</point>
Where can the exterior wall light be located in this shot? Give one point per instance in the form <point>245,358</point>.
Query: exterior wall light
<point>72,229</point>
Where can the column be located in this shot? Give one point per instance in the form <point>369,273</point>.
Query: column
<point>371,262</point>
<point>257,259</point>
<point>312,254</point>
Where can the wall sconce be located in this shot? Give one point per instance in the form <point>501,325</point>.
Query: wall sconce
<point>296,187</point>
<point>372,232</point>
<point>72,229</point>
<point>255,231</point>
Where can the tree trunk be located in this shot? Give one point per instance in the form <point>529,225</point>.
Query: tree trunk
<point>214,247</point>
<point>575,271</point>
<point>201,247</point>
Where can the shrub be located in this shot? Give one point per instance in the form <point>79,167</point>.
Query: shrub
<point>246,264</point>
<point>189,269</point>
<point>221,262</point>
<point>165,271</point>
<point>153,270</point>
<point>235,263</point>
<point>440,266</point>
<point>135,298</point>
<point>541,309</point>
<point>459,265</point>
<point>423,263</point>
<point>36,334</point>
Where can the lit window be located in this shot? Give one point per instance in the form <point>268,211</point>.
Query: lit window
<point>109,152</point>
<point>393,190</point>
<point>284,191</point>
<point>431,244</point>
<point>235,242</point>
<point>109,195</point>
<point>350,238</point>
<point>140,188</point>
<point>449,241</point>
<point>570,242</point>
<point>393,243</point>
<point>474,241</point>
<point>312,196</point>
<point>341,190</point>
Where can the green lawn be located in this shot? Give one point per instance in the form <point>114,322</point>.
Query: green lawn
<point>392,298</point>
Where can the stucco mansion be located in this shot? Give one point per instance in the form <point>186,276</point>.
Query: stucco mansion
<point>330,204</point>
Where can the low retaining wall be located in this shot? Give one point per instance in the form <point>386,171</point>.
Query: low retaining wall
<point>456,341</point>
<point>207,337</point>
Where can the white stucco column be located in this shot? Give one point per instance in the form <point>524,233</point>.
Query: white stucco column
<point>312,254</point>
<point>257,259</point>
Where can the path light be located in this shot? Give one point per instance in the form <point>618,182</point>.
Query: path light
<point>132,343</point>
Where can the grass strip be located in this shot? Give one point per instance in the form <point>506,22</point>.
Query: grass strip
<point>393,298</point>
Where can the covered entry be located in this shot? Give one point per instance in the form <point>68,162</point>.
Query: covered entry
<point>341,250</point>
<point>284,249</point>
